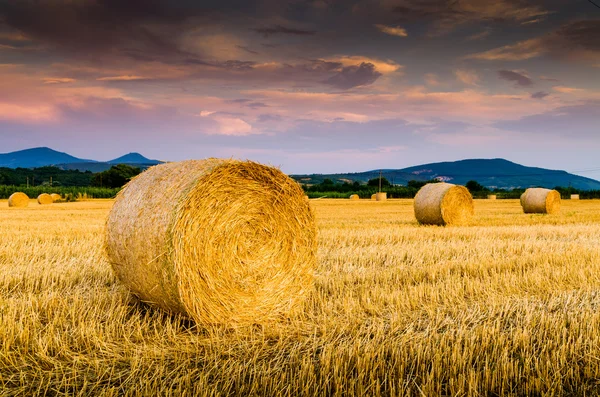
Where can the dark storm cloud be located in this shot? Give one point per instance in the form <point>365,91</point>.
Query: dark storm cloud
<point>539,95</point>
<point>581,34</point>
<point>278,29</point>
<point>518,78</point>
<point>354,76</point>
<point>144,30</point>
<point>447,14</point>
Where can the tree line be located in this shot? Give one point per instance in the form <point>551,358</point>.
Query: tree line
<point>115,177</point>
<point>328,188</point>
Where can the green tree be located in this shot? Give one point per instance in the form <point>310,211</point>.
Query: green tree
<point>375,182</point>
<point>419,184</point>
<point>115,177</point>
<point>475,186</point>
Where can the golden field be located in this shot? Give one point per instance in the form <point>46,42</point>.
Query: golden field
<point>508,305</point>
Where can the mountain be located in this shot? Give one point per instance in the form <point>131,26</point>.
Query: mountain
<point>37,157</point>
<point>491,173</point>
<point>133,158</point>
<point>43,156</point>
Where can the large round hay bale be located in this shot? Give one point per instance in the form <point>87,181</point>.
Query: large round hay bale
<point>381,196</point>
<point>18,199</point>
<point>374,196</point>
<point>44,198</point>
<point>540,201</point>
<point>492,197</point>
<point>443,204</point>
<point>55,197</point>
<point>574,197</point>
<point>354,197</point>
<point>222,241</point>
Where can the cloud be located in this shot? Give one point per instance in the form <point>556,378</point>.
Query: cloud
<point>519,78</point>
<point>446,15</point>
<point>539,95</point>
<point>121,78</point>
<point>575,41</point>
<point>577,120</point>
<point>392,30</point>
<point>567,90</point>
<point>480,36</point>
<point>382,66</point>
<point>57,80</point>
<point>522,50</point>
<point>432,79</point>
<point>469,77</point>
<point>354,76</point>
<point>278,29</point>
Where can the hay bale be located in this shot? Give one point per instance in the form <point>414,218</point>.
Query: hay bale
<point>382,196</point>
<point>374,196</point>
<point>443,204</point>
<point>222,241</point>
<point>55,197</point>
<point>18,199</point>
<point>354,197</point>
<point>540,201</point>
<point>522,199</point>
<point>44,198</point>
<point>574,197</point>
<point>492,197</point>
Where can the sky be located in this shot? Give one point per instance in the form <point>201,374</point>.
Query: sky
<point>316,86</point>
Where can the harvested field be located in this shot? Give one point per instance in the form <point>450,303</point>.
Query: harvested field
<point>507,305</point>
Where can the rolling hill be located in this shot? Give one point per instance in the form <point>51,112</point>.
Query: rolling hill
<point>43,156</point>
<point>491,173</point>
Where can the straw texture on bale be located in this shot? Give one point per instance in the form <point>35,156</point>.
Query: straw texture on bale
<point>374,196</point>
<point>55,197</point>
<point>382,196</point>
<point>222,241</point>
<point>492,197</point>
<point>18,199</point>
<point>443,204</point>
<point>540,201</point>
<point>574,197</point>
<point>44,198</point>
<point>354,197</point>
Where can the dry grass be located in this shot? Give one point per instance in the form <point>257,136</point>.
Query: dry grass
<point>506,306</point>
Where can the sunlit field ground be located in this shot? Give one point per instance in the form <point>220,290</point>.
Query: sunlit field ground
<point>506,306</point>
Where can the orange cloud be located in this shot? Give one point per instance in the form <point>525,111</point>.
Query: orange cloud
<point>469,77</point>
<point>516,52</point>
<point>567,90</point>
<point>392,30</point>
<point>121,78</point>
<point>28,113</point>
<point>57,80</point>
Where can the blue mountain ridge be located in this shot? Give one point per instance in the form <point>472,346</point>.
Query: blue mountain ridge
<point>44,156</point>
<point>491,173</point>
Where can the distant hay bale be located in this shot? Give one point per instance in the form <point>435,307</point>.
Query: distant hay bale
<point>492,197</point>
<point>522,199</point>
<point>222,241</point>
<point>55,197</point>
<point>18,199</point>
<point>540,201</point>
<point>44,198</point>
<point>443,204</point>
<point>574,197</point>
<point>381,196</point>
<point>354,197</point>
<point>374,196</point>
